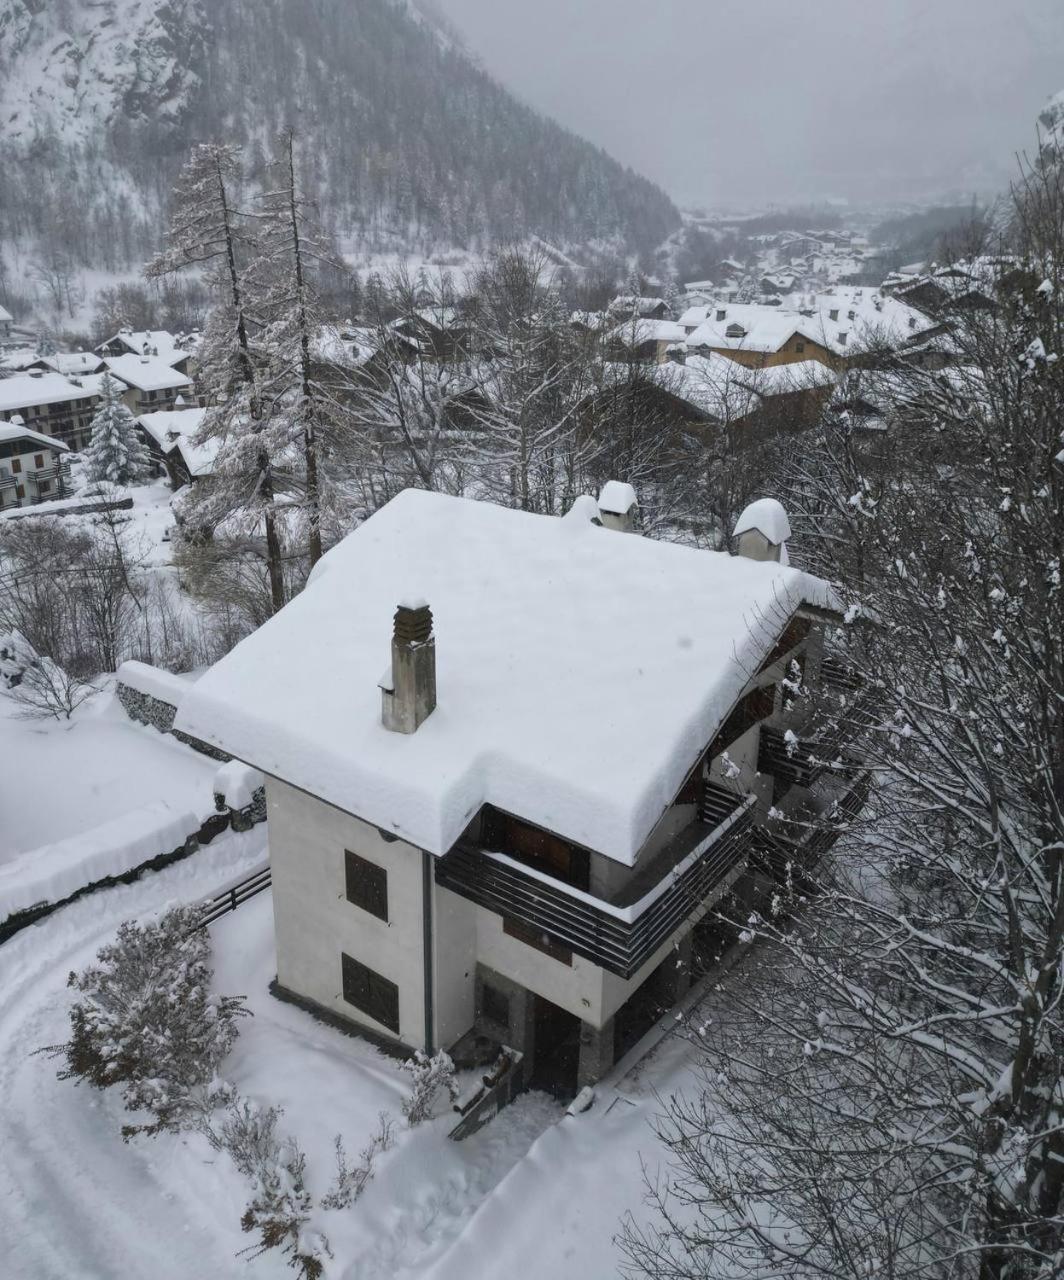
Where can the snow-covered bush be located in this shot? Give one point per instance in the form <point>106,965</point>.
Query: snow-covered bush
<point>116,452</point>
<point>431,1075</point>
<point>148,1021</point>
<point>352,1181</point>
<point>40,686</point>
<point>280,1207</point>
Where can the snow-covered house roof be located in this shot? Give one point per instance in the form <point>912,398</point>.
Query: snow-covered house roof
<point>590,320</point>
<point>175,429</point>
<point>631,305</point>
<point>24,390</point>
<point>156,342</point>
<point>784,379</point>
<point>5,316</point>
<point>146,373</point>
<point>633,333</point>
<point>749,327</point>
<point>19,360</point>
<point>580,671</point>
<point>73,362</point>
<point>10,431</point>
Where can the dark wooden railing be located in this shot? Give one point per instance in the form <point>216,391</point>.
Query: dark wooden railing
<point>620,939</point>
<point>214,908</point>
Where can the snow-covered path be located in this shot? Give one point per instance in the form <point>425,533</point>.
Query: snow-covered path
<point>75,1201</point>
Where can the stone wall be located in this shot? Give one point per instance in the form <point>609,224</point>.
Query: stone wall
<point>147,708</point>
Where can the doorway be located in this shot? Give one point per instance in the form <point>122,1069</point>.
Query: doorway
<point>555,1050</point>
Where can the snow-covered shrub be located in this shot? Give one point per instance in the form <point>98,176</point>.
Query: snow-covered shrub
<point>39,685</point>
<point>280,1207</point>
<point>352,1181</point>
<point>431,1075</point>
<point>148,1021</point>
<point>116,452</point>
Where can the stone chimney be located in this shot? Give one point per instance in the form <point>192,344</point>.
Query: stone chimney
<point>761,532</point>
<point>618,506</point>
<point>408,693</point>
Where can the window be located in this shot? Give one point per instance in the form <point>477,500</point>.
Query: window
<point>16,465</point>
<point>842,339</point>
<point>20,491</point>
<point>533,937</point>
<point>851,315</point>
<point>799,346</point>
<point>372,994</point>
<point>721,315</point>
<point>38,461</point>
<point>495,1006</point>
<point>367,885</point>
<point>833,315</point>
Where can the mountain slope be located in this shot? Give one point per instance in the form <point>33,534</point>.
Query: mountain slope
<point>407,142</point>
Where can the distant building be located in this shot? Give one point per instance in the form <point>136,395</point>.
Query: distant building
<point>59,407</point>
<point>176,351</point>
<point>170,435</point>
<point>628,306</point>
<point>644,341</point>
<point>150,382</point>
<point>32,469</point>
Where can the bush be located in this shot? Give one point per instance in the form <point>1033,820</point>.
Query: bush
<point>280,1206</point>
<point>148,1022</point>
<point>431,1075</point>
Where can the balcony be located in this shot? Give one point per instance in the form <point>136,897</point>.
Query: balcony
<point>696,868</point>
<point>851,708</point>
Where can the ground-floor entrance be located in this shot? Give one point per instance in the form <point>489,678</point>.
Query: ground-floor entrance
<point>555,1050</point>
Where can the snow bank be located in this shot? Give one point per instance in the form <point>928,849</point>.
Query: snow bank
<point>153,681</point>
<point>55,871</point>
<point>237,783</point>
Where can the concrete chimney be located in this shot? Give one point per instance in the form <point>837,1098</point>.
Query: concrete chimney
<point>408,694</point>
<point>762,531</point>
<point>618,506</point>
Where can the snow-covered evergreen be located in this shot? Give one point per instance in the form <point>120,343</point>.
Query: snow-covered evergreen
<point>116,454</point>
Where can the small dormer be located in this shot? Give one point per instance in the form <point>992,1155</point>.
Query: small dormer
<point>722,314</point>
<point>735,330</point>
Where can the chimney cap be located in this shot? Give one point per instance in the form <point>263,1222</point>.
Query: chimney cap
<point>617,498</point>
<point>768,517</point>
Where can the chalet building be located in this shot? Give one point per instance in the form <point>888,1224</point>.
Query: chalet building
<point>643,341</point>
<point>758,336</point>
<point>628,307</point>
<point>32,468</point>
<point>439,333</point>
<point>170,435</point>
<point>176,351</point>
<point>575,750</point>
<point>150,383</point>
<point>58,407</point>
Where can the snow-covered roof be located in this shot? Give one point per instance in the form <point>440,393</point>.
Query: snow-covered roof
<point>146,373</point>
<point>590,319</point>
<point>175,429</point>
<point>633,333</point>
<point>749,327</point>
<point>5,316</point>
<point>580,671</point>
<point>768,517</point>
<point>10,431</point>
<point>73,362</point>
<point>350,347</point>
<point>28,389</point>
<point>617,497</point>
<point>631,304</point>
<point>159,342</point>
<point>18,360</point>
<point>785,379</point>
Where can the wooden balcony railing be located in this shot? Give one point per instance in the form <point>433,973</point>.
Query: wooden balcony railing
<point>618,938</point>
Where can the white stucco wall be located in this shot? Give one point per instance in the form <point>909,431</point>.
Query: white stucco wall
<point>314,922</point>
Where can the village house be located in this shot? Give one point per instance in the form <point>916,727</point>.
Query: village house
<point>628,306</point>
<point>150,383</point>
<point>58,407</point>
<point>32,468</point>
<point>642,341</point>
<point>757,336</point>
<point>176,351</point>
<point>170,437</point>
<point>440,333</point>
<point>575,749</point>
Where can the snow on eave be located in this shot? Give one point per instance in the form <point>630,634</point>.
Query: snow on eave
<point>10,431</point>
<point>580,672</point>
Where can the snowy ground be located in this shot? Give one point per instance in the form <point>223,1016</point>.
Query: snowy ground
<point>533,1194</point>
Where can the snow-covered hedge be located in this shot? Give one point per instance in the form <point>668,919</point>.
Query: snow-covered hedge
<point>55,871</point>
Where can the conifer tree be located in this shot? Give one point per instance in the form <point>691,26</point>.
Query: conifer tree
<point>116,452</point>
<point>209,228</point>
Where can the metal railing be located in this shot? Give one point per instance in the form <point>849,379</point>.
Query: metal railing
<point>221,905</point>
<point>618,939</point>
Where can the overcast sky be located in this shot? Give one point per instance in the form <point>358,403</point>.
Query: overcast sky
<point>742,101</point>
